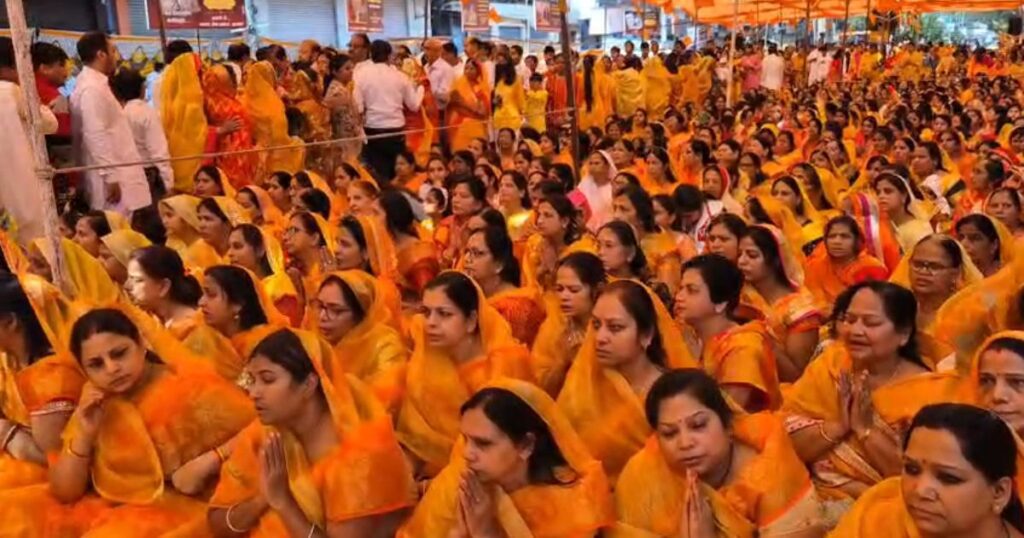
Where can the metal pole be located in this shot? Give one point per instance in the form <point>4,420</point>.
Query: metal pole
<point>44,173</point>
<point>732,51</point>
<point>570,80</point>
<point>426,19</point>
<point>846,24</point>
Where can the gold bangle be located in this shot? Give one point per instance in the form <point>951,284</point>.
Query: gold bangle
<point>70,449</point>
<point>227,521</point>
<point>862,437</point>
<point>220,454</point>
<point>821,431</point>
<point>8,436</point>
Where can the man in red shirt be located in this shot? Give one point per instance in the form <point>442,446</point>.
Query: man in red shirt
<point>50,64</point>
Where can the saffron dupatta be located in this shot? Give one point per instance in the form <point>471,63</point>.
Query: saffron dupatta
<point>222,104</point>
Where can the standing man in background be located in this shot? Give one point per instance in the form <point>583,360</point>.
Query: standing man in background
<point>102,134</point>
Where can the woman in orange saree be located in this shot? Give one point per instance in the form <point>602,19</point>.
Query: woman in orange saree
<point>236,315</point>
<point>258,252</point>
<point>116,252</point>
<point>987,241</point>
<point>184,120</point>
<point>310,244</point>
<point>233,131</point>
<point>469,107</point>
<point>261,209</point>
<point>160,284</point>
<point>415,257</point>
<point>365,246</point>
<point>342,472</point>
<point>737,354</point>
<point>843,262</point>
<point>935,269</point>
<point>604,390</point>
<point>352,317</point>
<point>555,488</point>
<point>748,481</point>
<point>180,216</point>
<point>633,205</point>
<point>879,235</point>
<point>793,319</point>
<point>148,435</point>
<point>269,122</point>
<point>460,344</point>
<point>217,216</point>
<point>880,371</point>
<point>304,96</point>
<point>918,503</point>
<point>489,260</point>
<point>39,382</point>
<point>557,234</point>
<point>89,281</point>
<point>578,282</point>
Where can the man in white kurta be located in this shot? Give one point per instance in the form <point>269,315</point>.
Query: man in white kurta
<point>102,134</point>
<point>20,191</point>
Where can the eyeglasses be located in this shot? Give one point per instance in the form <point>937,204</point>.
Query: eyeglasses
<point>927,268</point>
<point>328,311</point>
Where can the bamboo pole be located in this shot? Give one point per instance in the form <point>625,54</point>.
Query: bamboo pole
<point>44,172</point>
<point>163,28</point>
<point>732,52</point>
<point>570,80</point>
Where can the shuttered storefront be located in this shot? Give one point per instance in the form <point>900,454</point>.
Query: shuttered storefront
<point>295,20</point>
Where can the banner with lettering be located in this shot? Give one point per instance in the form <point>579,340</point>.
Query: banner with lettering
<point>365,16</point>
<point>547,14</point>
<point>193,14</point>
<point>476,15</point>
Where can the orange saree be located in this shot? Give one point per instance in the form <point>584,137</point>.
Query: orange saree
<point>222,104</point>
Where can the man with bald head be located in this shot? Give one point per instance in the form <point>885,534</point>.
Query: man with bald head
<point>440,72</point>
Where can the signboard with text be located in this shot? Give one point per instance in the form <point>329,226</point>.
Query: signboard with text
<point>547,13</point>
<point>196,14</point>
<point>365,16</point>
<point>476,15</point>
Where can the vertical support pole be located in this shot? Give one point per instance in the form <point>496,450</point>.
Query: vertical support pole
<point>44,174</point>
<point>732,51</point>
<point>163,28</point>
<point>570,80</point>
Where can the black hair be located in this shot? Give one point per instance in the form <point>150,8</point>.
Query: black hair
<point>949,246</point>
<point>398,214</point>
<point>459,289</point>
<point>642,205</point>
<point>638,303</point>
<point>723,279</point>
<point>164,263</point>
<point>240,290</point>
<point>588,269</point>
<point>662,155</point>
<point>105,320</point>
<point>337,62</point>
<point>516,419</point>
<point>210,205</point>
<point>734,223</point>
<point>284,179</point>
<point>985,441</point>
<point>814,181</point>
<point>317,201</point>
<point>302,179</point>
<point>900,307</point>
<point>794,186</point>
<point>996,172</point>
<point>688,198</point>
<point>693,382</point>
<point>91,44</point>
<point>97,220</point>
<point>44,53</point>
<point>214,174</point>
<point>380,51</point>
<point>849,222</point>
<point>352,225</point>
<point>934,153</point>
<point>897,180</point>
<point>627,237</point>
<point>669,205</point>
<point>238,51</point>
<point>566,210</point>
<point>702,149</point>
<point>984,225</point>
<point>16,304</point>
<point>176,48</point>
<point>253,237</point>
<point>354,306</point>
<point>7,53</point>
<point>765,241</point>
<point>477,189</point>
<point>1014,196</point>
<point>284,348</point>
<point>492,217</point>
<point>566,175</point>
<point>310,226</point>
<point>500,246</point>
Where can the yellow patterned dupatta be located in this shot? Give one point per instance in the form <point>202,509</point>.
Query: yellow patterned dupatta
<point>771,496</point>
<point>365,475</point>
<point>579,508</point>
<point>602,406</point>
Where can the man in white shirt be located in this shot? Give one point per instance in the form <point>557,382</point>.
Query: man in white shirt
<point>523,71</point>
<point>818,63</point>
<point>101,132</point>
<point>440,72</point>
<point>147,130</point>
<point>773,69</point>
<point>20,190</point>
<point>382,94</point>
<point>450,54</point>
<point>359,51</point>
